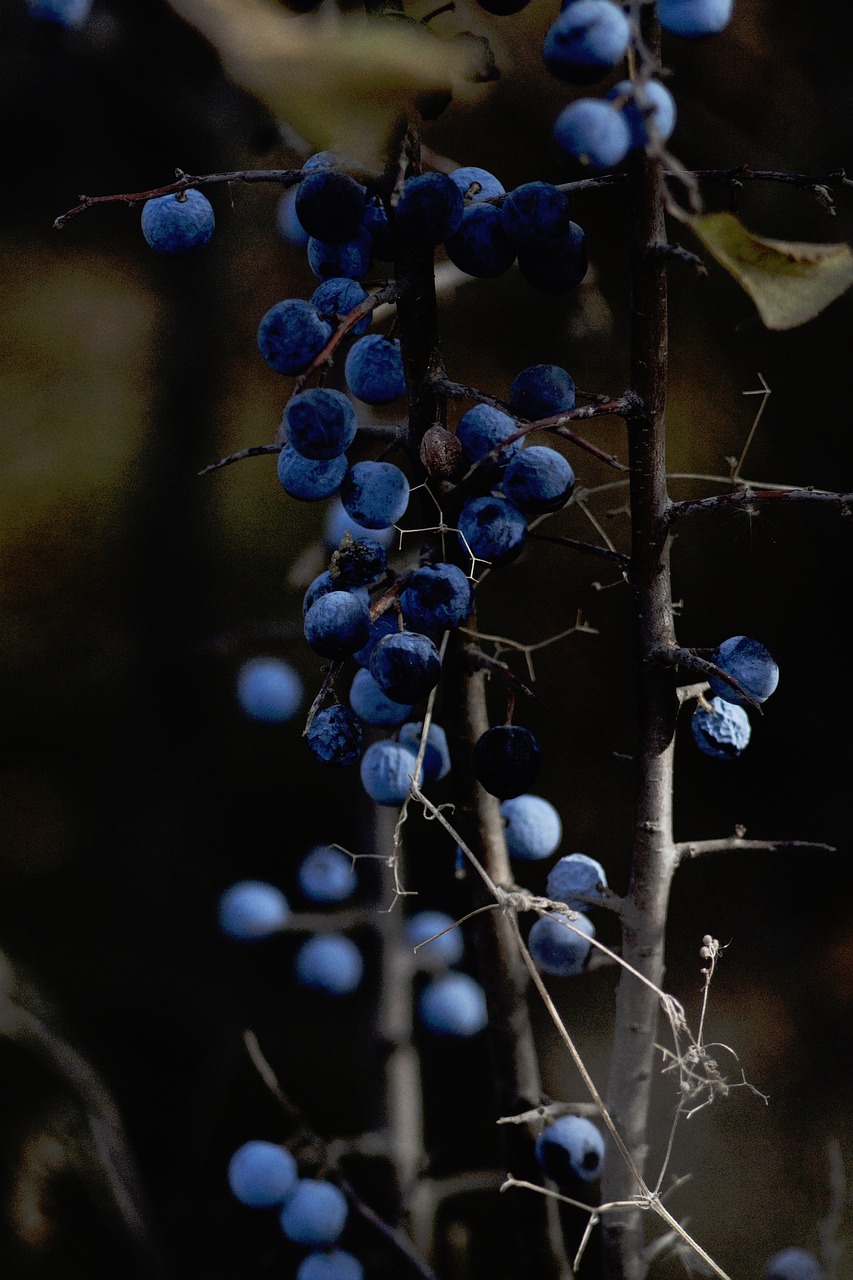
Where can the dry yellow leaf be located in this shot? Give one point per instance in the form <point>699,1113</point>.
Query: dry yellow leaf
<point>790,283</point>
<point>341,81</point>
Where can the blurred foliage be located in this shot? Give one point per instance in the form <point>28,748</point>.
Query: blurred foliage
<point>789,283</point>
<point>341,81</point>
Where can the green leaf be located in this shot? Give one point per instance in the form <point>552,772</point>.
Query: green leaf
<point>789,282</point>
<point>341,81</point>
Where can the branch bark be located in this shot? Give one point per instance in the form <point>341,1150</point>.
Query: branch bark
<point>654,858</point>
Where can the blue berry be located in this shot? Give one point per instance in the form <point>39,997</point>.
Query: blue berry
<point>466,176</point>
<point>538,479</point>
<point>310,479</point>
<point>439,597</point>
<point>481,247</point>
<point>289,227</point>
<point>533,827</point>
<point>374,369</point>
<point>406,666</point>
<point>323,584</point>
<point>261,1174</point>
<point>542,391</point>
<point>252,909</point>
<point>330,1264</point>
<point>65,13</point>
<point>437,753</point>
<point>793,1264</point>
<point>385,625</point>
<point>330,205</point>
<point>587,39</point>
<point>333,964</point>
<point>375,222</point>
<point>644,104</point>
<point>291,334</point>
<point>750,664</point>
<point>337,624</point>
<point>430,209</point>
<point>482,429</point>
<point>536,215</point>
<point>694,17</point>
<point>326,874</point>
<point>386,771</point>
<point>371,705</point>
<point>722,732</point>
<point>335,736</point>
<point>439,952</point>
<point>576,873</point>
<point>493,529</point>
<point>376,494</point>
<point>320,423</point>
<point>559,269</point>
<point>338,522</point>
<point>178,224</point>
<point>338,297</point>
<point>326,160</point>
<point>506,760</point>
<point>453,1004</point>
<point>570,1149</point>
<point>593,132</point>
<point>351,258</point>
<point>269,689</point>
<point>556,948</point>
<point>314,1213</point>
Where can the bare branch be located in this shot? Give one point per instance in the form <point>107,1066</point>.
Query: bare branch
<point>689,849</point>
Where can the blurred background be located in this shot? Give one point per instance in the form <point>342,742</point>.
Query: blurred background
<point>133,789</point>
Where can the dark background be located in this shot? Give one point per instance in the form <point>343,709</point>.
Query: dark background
<point>133,791</point>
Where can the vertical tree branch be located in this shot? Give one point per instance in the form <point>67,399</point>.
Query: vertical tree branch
<point>535,1231</point>
<point>654,858</point>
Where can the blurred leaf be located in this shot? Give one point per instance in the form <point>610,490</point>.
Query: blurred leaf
<point>790,283</point>
<point>342,81</point>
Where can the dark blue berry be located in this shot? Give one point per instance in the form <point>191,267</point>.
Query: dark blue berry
<point>406,666</point>
<point>438,597</point>
<point>481,246</point>
<point>291,334</point>
<point>430,209</point>
<point>335,736</point>
<point>351,258</point>
<point>337,624</point>
<point>541,391</point>
<point>320,423</point>
<point>506,760</point>
<point>309,479</point>
<point>338,297</point>
<point>375,494</point>
<point>538,479</point>
<point>374,370</point>
<point>492,529</point>
<point>330,205</point>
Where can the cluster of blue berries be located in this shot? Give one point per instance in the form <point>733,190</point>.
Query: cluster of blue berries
<point>355,609</point>
<point>721,728</point>
<point>483,230</point>
<point>312,1212</point>
<point>451,1003</point>
<point>589,39</point>
<point>252,910</point>
<point>533,832</point>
